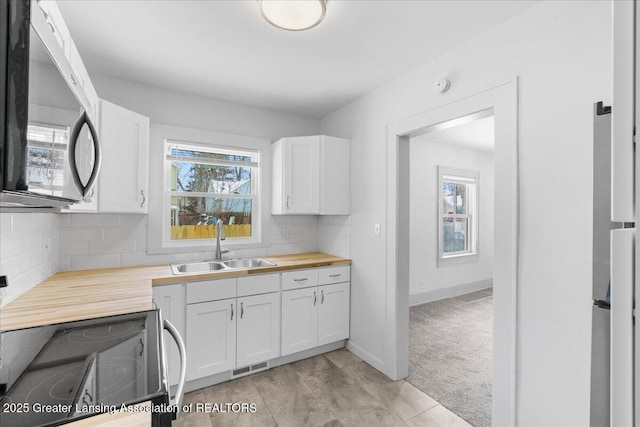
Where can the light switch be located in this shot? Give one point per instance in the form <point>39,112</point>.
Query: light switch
<point>376,229</point>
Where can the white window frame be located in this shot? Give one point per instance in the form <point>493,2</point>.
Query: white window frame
<point>468,177</point>
<point>255,196</point>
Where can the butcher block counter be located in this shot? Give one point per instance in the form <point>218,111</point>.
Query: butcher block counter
<point>84,294</point>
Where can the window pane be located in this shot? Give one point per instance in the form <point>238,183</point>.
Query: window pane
<point>195,217</point>
<point>461,198</point>
<point>186,152</point>
<point>448,197</point>
<point>454,234</point>
<point>197,177</point>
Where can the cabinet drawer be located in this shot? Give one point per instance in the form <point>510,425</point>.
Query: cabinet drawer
<point>211,290</point>
<point>299,279</point>
<point>335,275</point>
<point>261,284</point>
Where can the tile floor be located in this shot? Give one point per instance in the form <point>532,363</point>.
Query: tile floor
<point>334,389</point>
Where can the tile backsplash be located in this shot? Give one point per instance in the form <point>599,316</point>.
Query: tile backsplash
<point>334,234</point>
<point>29,251</point>
<point>114,240</point>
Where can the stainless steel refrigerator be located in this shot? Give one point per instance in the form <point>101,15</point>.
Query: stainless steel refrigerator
<point>602,226</point>
<point>619,406</point>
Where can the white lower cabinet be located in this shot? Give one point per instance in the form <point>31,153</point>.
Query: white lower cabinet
<point>211,338</point>
<point>314,316</point>
<point>227,326</point>
<point>333,313</point>
<point>258,329</point>
<point>299,320</point>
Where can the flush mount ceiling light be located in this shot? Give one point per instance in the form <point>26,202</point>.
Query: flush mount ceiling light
<point>293,15</point>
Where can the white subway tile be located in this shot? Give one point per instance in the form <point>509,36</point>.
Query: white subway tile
<point>65,219</point>
<point>111,247</point>
<point>74,247</point>
<point>133,220</point>
<point>64,263</point>
<point>81,262</point>
<point>86,234</point>
<point>94,220</point>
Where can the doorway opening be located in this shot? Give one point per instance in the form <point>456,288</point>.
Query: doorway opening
<point>451,199</point>
<point>500,102</point>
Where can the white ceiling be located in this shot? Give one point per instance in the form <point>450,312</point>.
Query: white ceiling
<point>225,50</point>
<point>475,135</point>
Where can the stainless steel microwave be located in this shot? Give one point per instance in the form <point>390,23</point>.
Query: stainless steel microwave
<point>49,151</point>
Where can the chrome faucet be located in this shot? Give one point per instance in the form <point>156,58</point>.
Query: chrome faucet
<point>219,236</point>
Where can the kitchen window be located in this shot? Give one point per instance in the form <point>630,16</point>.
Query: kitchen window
<point>204,184</point>
<point>457,215</point>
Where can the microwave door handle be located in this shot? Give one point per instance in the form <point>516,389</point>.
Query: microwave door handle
<point>97,156</point>
<point>183,363</point>
<point>73,143</point>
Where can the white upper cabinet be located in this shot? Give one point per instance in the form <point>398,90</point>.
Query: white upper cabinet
<point>311,175</point>
<point>124,176</point>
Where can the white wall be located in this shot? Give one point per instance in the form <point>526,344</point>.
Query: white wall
<point>426,156</point>
<point>182,109</point>
<point>29,252</point>
<point>561,50</point>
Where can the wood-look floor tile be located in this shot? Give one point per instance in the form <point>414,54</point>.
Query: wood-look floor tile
<point>261,417</point>
<point>438,416</point>
<point>290,399</point>
<point>241,389</point>
<point>402,398</point>
<point>192,419</point>
<point>342,357</point>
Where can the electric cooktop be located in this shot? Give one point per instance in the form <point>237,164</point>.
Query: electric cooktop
<point>51,375</point>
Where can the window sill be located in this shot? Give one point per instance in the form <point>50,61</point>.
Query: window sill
<point>458,259</point>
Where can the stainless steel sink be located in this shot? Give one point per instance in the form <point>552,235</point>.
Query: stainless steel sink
<point>213,266</point>
<point>197,267</point>
<point>248,263</point>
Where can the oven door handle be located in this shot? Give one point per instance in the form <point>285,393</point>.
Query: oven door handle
<point>183,363</point>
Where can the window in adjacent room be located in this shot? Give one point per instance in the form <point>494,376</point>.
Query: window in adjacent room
<point>204,184</point>
<point>457,213</point>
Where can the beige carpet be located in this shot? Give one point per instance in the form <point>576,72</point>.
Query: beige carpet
<point>450,353</point>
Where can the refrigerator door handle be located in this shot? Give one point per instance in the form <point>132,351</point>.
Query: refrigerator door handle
<point>622,282</point>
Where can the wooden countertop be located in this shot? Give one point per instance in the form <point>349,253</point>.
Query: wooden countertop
<point>85,294</point>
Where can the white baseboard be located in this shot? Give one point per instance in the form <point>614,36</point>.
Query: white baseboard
<point>365,355</point>
<point>452,291</point>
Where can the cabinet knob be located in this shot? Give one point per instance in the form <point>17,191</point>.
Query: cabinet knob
<point>231,311</point>
<point>315,298</point>
<point>322,296</point>
<point>287,202</point>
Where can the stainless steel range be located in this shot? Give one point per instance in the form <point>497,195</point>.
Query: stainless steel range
<point>51,375</point>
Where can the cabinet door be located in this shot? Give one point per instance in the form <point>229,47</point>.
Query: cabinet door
<point>258,329</point>
<point>123,180</point>
<point>211,338</point>
<point>333,313</point>
<point>170,299</point>
<point>299,320</point>
<point>302,175</point>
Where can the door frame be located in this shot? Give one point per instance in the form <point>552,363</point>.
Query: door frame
<point>503,100</point>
